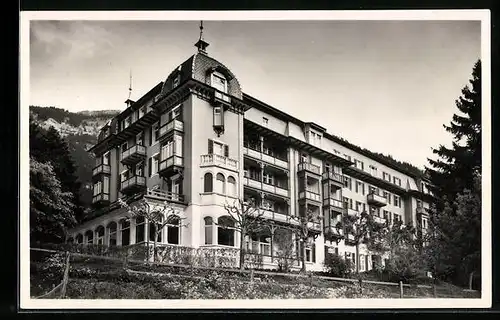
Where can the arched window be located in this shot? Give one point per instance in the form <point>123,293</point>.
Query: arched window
<point>208,230</point>
<point>125,231</point>
<point>225,231</point>
<point>140,233</point>
<point>231,183</point>
<point>89,236</point>
<point>99,232</point>
<point>153,227</point>
<point>112,233</point>
<point>220,183</point>
<point>208,182</point>
<point>173,230</point>
<point>79,238</point>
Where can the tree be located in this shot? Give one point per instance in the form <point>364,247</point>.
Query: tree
<point>283,239</point>
<point>247,219</point>
<point>362,228</point>
<point>305,221</point>
<point>51,209</point>
<point>455,218</point>
<point>156,217</point>
<point>456,167</point>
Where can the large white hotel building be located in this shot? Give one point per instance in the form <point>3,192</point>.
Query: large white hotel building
<point>199,142</point>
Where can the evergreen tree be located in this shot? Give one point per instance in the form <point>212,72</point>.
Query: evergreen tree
<point>51,209</point>
<point>456,167</point>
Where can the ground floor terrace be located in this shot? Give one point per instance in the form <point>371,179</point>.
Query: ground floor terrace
<point>195,230</point>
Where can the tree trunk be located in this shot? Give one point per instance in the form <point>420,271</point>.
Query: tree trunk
<point>242,252</point>
<point>303,253</point>
<point>154,246</point>
<point>470,279</point>
<point>357,258</point>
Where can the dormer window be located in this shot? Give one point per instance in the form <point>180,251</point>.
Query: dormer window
<point>176,81</point>
<point>219,82</point>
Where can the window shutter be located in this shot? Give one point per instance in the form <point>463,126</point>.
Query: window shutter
<point>226,150</point>
<point>210,146</point>
<point>150,165</point>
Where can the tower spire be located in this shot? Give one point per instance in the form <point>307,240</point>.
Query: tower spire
<point>128,101</point>
<point>201,44</point>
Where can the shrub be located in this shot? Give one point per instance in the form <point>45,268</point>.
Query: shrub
<point>337,266</point>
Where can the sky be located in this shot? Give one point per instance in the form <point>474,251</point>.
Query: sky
<point>388,86</point>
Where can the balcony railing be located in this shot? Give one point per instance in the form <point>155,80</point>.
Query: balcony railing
<point>265,187</point>
<point>257,154</point>
<point>310,195</point>
<point>333,203</point>
<point>376,200</point>
<point>306,166</point>
<point>333,176</point>
<point>170,162</point>
<point>102,168</point>
<point>170,126</point>
<point>100,197</point>
<point>277,216</point>
<point>133,182</point>
<point>164,195</point>
<point>218,160</point>
<point>352,212</point>
<point>379,219</point>
<point>220,96</point>
<point>133,154</point>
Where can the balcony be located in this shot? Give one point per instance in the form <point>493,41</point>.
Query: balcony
<point>222,98</point>
<point>376,200</point>
<point>352,212</point>
<point>174,125</point>
<point>171,165</point>
<point>334,204</point>
<point>133,154</point>
<point>256,154</point>
<point>421,211</point>
<point>133,184</point>
<point>249,182</point>
<point>100,199</point>
<point>333,177</point>
<point>163,195</point>
<point>309,167</point>
<point>309,195</point>
<point>217,160</point>
<point>101,169</point>
<point>278,217</point>
<point>332,232</point>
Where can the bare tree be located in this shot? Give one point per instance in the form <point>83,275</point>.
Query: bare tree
<point>247,219</point>
<point>282,237</point>
<point>364,229</point>
<point>156,216</point>
<point>302,231</point>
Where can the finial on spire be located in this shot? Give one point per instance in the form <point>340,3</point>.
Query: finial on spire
<point>128,101</point>
<point>201,44</point>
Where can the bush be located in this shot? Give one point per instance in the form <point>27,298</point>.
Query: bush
<point>337,266</point>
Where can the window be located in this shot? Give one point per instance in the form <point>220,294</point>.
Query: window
<point>112,232</point>
<point>215,147</point>
<point>359,164</point>
<point>311,253</point>
<point>139,139</point>
<point>208,182</point>
<point>125,231</point>
<point>265,121</point>
<point>268,178</point>
<point>386,215</point>
<point>347,202</point>
<point>396,217</point>
<point>348,182</point>
<point>99,232</point>
<point>358,206</point>
<point>173,230</point>
<point>396,181</point>
<point>124,175</point>
<point>124,146</point>
<point>208,230</point>
<point>220,183</point>
<point>139,169</point>
<point>127,122</point>
<point>105,158</point>
<point>89,236</point>
<point>267,204</point>
<point>142,111</point>
<point>155,133</point>
<point>155,163</point>
<point>219,82</point>
<point>176,81</point>
<point>362,262</point>
<point>218,117</point>
<point>225,231</point>
<point>140,232</point>
<point>387,196</point>
<point>347,157</point>
<point>373,170</point>
<point>327,167</point>
<point>304,158</point>
<point>232,186</point>
<point>397,201</point>
<point>97,188</point>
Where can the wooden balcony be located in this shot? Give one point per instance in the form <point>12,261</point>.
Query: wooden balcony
<point>333,204</point>
<point>256,154</point>
<point>163,195</point>
<point>310,196</point>
<point>133,184</point>
<point>101,169</point>
<point>309,168</point>
<point>100,199</point>
<point>272,189</point>
<point>133,154</point>
<point>170,127</point>
<point>208,160</point>
<point>171,165</point>
<point>376,200</point>
<point>334,179</point>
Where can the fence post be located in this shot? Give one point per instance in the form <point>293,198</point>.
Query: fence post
<point>401,289</point>
<point>251,275</point>
<point>360,285</point>
<point>66,276</point>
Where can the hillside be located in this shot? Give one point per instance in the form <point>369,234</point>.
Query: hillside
<point>80,130</point>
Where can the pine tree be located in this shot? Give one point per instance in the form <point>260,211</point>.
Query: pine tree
<point>456,167</point>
